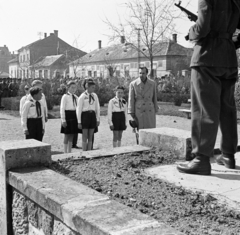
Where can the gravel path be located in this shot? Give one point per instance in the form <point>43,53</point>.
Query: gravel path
<point>10,129</point>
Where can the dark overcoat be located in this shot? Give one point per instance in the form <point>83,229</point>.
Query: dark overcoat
<point>212,33</point>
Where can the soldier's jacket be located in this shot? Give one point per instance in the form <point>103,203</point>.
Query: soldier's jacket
<point>217,21</point>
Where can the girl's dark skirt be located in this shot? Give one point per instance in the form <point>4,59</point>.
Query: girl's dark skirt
<point>119,121</point>
<point>89,120</point>
<point>72,123</point>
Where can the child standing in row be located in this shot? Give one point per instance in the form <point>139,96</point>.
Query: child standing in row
<point>117,115</point>
<point>68,116</point>
<point>32,115</point>
<point>88,114</point>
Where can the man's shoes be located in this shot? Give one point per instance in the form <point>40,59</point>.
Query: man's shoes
<point>75,147</point>
<point>199,166</point>
<point>227,160</point>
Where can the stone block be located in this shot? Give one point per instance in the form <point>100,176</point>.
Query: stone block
<point>18,154</point>
<point>62,229</point>
<point>176,140</point>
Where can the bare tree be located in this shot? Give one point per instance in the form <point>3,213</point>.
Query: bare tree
<point>149,22</point>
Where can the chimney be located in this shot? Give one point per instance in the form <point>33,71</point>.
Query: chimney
<point>123,39</point>
<point>174,37</point>
<point>99,44</point>
<point>56,33</point>
<point>45,35</point>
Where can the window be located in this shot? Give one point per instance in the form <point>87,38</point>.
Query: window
<point>95,74</point>
<point>126,73</point>
<point>45,73</point>
<point>40,73</point>
<point>27,73</point>
<point>98,67</point>
<point>160,63</point>
<point>147,64</point>
<point>89,73</point>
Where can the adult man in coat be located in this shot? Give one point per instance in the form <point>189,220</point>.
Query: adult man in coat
<point>214,74</point>
<point>142,103</point>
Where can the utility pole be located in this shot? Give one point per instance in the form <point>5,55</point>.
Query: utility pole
<point>138,29</point>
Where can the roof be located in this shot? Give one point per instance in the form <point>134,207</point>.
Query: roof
<point>15,60</point>
<point>126,51</point>
<point>47,60</point>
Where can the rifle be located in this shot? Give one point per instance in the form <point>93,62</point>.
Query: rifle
<point>191,16</point>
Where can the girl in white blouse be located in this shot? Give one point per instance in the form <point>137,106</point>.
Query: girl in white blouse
<point>117,115</point>
<point>88,114</point>
<point>68,116</point>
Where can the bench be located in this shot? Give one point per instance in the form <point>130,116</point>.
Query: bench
<point>187,111</point>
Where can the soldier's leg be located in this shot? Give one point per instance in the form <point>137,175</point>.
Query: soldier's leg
<point>205,99</point>
<point>228,114</point>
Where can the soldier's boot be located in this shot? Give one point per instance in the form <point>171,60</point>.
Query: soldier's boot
<point>227,160</point>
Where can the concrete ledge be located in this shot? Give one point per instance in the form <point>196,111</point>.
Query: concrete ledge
<point>84,210</point>
<point>18,154</point>
<point>172,139</point>
<point>101,152</point>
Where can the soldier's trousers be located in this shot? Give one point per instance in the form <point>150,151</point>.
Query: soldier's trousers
<point>213,105</point>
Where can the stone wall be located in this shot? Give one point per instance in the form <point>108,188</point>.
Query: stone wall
<point>30,219</point>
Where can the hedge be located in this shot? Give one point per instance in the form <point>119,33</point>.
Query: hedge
<point>11,103</point>
<point>176,98</point>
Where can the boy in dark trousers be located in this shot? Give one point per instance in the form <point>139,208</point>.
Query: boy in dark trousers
<point>33,118</point>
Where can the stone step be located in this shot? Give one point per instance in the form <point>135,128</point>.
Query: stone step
<point>102,152</point>
<point>222,183</point>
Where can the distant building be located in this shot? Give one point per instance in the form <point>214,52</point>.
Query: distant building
<point>50,66</point>
<point>5,56</point>
<point>14,67</point>
<point>48,46</point>
<point>122,60</point>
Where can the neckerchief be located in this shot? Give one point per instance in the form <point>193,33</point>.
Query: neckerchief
<point>38,108</point>
<point>121,102</point>
<point>91,98</point>
<point>73,98</point>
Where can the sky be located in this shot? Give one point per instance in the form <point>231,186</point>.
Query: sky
<point>79,22</point>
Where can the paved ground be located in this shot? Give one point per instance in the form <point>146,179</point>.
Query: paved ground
<point>10,129</point>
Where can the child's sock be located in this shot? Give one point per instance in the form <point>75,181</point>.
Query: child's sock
<point>89,147</point>
<point>65,148</point>
<point>84,146</point>
<point>115,144</point>
<point>119,143</point>
<point>69,147</point>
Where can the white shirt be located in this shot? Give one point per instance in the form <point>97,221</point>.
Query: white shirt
<point>22,102</point>
<point>115,106</point>
<point>29,111</point>
<point>43,103</point>
<point>85,105</point>
<point>67,104</point>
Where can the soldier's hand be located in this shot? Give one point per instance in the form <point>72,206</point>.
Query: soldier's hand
<point>46,119</point>
<point>79,126</point>
<point>112,128</point>
<point>64,124</point>
<point>98,123</point>
<point>43,131</point>
<point>26,132</point>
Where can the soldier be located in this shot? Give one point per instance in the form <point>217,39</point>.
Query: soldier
<point>214,74</point>
<point>142,104</point>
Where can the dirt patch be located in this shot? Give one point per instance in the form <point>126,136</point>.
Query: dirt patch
<point>123,179</point>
